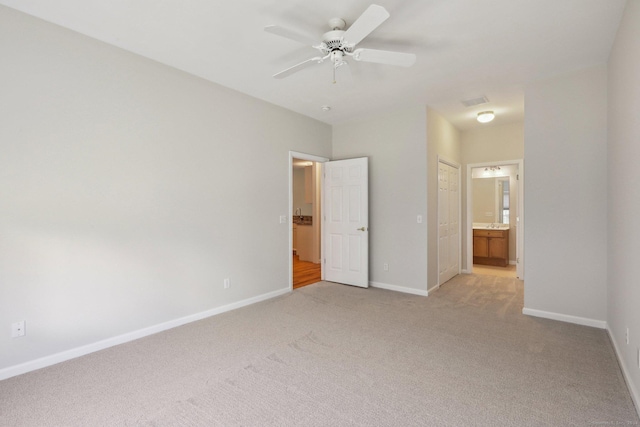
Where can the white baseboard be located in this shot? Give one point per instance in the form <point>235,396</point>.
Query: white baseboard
<point>635,396</point>
<point>399,289</point>
<point>601,324</point>
<point>53,359</point>
<point>465,271</point>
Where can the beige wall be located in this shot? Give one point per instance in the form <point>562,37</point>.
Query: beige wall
<point>484,196</point>
<point>299,193</point>
<point>396,147</point>
<point>623,199</point>
<point>493,143</point>
<point>566,192</point>
<point>443,139</point>
<point>129,191</point>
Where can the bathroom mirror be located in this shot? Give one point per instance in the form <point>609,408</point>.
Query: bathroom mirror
<point>491,195</point>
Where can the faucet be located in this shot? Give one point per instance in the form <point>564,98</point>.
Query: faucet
<point>299,213</point>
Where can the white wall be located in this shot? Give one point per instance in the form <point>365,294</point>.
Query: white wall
<point>128,191</point>
<point>443,139</point>
<point>486,144</point>
<point>624,193</point>
<point>396,147</point>
<point>566,188</point>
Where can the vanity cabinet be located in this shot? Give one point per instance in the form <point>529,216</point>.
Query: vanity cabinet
<point>304,236</point>
<point>491,247</point>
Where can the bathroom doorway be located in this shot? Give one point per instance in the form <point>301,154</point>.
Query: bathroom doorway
<point>495,218</point>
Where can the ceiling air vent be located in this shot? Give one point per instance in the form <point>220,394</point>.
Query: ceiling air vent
<point>475,101</point>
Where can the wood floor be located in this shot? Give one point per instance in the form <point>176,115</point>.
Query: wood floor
<point>304,273</point>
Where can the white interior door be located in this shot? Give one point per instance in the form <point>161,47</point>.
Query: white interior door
<point>346,222</point>
<point>448,222</point>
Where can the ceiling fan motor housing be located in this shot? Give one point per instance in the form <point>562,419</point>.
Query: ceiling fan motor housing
<point>333,40</point>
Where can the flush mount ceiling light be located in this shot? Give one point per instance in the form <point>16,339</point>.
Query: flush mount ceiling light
<point>325,108</point>
<point>486,116</point>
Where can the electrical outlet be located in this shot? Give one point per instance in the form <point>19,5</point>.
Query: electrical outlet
<point>18,329</point>
<point>226,283</point>
<point>283,219</point>
<point>627,336</point>
<point>385,266</point>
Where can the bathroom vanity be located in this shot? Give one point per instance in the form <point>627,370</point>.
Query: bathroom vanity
<point>491,246</point>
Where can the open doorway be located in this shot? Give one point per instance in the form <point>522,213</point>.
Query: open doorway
<point>495,221</point>
<point>305,199</point>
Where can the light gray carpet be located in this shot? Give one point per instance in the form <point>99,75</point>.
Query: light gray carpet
<point>333,355</point>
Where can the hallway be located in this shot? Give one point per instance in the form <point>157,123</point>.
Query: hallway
<point>305,273</point>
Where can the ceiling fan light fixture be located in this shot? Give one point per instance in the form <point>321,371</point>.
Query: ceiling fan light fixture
<point>486,116</point>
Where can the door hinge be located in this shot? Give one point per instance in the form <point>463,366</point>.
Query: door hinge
<point>517,260</point>
<point>517,177</point>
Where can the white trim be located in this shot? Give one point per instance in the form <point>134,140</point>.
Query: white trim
<point>601,324</point>
<point>397,288</point>
<point>53,359</point>
<point>311,158</point>
<point>635,396</point>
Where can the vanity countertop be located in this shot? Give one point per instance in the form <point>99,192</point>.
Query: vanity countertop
<point>489,226</point>
<point>303,220</point>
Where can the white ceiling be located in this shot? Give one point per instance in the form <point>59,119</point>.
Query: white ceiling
<point>465,48</point>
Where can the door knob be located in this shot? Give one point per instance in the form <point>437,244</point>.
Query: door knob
<point>362,229</point>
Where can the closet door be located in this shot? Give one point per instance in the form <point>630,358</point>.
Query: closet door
<point>448,222</point>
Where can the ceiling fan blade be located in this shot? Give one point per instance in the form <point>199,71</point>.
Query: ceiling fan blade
<point>291,35</point>
<point>365,24</point>
<point>298,67</point>
<point>385,57</point>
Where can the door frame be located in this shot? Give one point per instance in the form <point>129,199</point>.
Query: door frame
<point>449,162</point>
<point>520,260</point>
<point>311,158</point>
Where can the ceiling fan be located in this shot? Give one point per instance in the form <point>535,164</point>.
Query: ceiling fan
<point>336,45</point>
